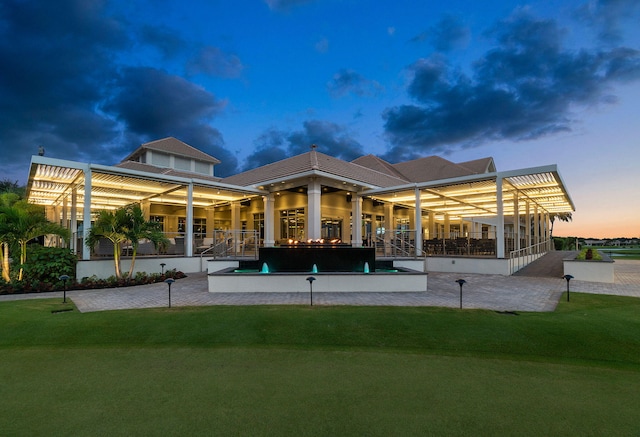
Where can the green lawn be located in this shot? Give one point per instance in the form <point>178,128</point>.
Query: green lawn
<point>285,370</point>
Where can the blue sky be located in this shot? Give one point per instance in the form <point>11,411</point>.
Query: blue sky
<point>254,81</point>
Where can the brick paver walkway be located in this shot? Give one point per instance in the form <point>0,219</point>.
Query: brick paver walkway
<point>493,292</point>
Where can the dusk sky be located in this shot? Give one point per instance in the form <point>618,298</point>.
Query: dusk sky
<point>254,81</point>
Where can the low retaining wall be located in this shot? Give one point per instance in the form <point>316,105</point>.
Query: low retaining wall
<point>487,266</point>
<point>591,271</point>
<point>105,268</point>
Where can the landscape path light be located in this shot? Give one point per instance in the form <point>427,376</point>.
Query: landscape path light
<point>568,278</point>
<point>64,279</point>
<point>169,281</point>
<point>461,282</point>
<point>162,266</point>
<point>311,279</point>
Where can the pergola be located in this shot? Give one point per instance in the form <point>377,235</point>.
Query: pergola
<point>86,188</point>
<point>538,190</point>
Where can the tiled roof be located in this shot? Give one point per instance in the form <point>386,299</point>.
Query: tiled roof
<point>175,147</point>
<point>430,168</point>
<point>375,163</point>
<point>478,166</point>
<point>148,168</point>
<point>309,161</point>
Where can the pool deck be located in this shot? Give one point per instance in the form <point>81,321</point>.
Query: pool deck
<point>492,292</point>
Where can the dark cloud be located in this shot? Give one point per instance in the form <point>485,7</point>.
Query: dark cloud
<point>285,5</point>
<point>154,104</point>
<point>270,146</point>
<point>56,58</point>
<point>63,86</point>
<point>523,88</point>
<point>448,34</point>
<point>607,16</point>
<point>214,62</point>
<point>350,82</point>
<point>164,39</point>
<point>331,139</point>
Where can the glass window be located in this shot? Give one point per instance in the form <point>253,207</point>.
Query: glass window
<point>158,219</point>
<point>292,224</point>
<point>199,227</point>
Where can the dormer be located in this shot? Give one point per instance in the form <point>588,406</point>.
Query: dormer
<point>173,153</point>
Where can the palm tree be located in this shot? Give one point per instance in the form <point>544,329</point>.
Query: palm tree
<point>19,224</point>
<point>562,216</point>
<point>122,225</point>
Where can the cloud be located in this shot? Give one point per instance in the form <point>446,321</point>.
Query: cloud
<point>56,58</point>
<point>607,16</point>
<point>322,46</point>
<point>214,62</point>
<point>448,34</point>
<point>523,88</point>
<point>164,39</point>
<point>270,146</point>
<point>153,104</point>
<point>350,82</point>
<point>331,138</point>
<point>285,5</point>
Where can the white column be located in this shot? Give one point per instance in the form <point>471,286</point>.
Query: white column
<point>314,213</point>
<point>418,224</point>
<point>65,215</point>
<point>432,225</point>
<point>86,216</point>
<point>516,221</point>
<point>389,227</point>
<point>269,220</point>
<point>236,227</point>
<point>356,219</point>
<point>527,229</point>
<point>536,225</point>
<point>74,220</point>
<point>500,223</point>
<point>188,242</point>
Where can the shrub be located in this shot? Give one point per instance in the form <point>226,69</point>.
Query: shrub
<point>47,264</point>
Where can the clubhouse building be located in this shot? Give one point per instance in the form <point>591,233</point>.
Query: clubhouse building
<point>465,216</point>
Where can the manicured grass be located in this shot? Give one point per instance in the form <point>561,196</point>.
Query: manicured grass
<point>321,371</point>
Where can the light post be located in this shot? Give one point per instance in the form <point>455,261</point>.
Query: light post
<point>162,266</point>
<point>568,278</point>
<point>169,281</point>
<point>311,279</point>
<point>64,279</point>
<point>461,282</point>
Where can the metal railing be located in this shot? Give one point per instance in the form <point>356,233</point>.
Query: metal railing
<point>519,259</point>
<point>231,243</point>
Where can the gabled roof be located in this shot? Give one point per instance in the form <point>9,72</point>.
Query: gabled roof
<point>175,147</point>
<point>478,166</point>
<point>431,168</point>
<point>313,161</point>
<point>375,163</point>
<point>148,168</point>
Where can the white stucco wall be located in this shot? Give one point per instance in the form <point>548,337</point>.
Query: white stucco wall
<point>592,271</point>
<point>488,266</point>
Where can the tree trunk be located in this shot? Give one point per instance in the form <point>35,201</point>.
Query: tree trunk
<point>6,272</point>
